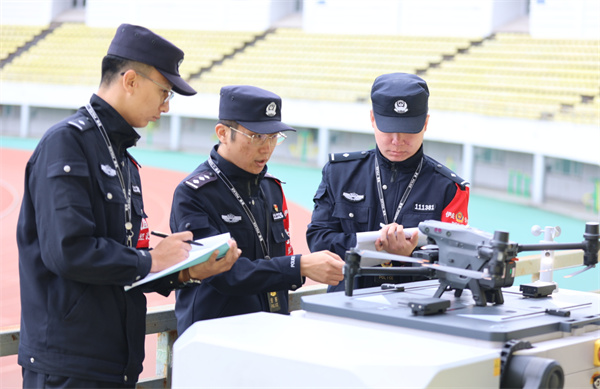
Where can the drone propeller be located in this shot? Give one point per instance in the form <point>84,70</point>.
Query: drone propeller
<point>580,271</point>
<point>401,258</point>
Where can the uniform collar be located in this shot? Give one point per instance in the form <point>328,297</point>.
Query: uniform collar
<point>121,134</point>
<point>408,165</point>
<point>233,172</point>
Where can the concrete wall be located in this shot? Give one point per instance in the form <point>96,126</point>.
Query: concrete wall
<point>572,182</point>
<point>226,15</point>
<point>411,17</point>
<point>503,170</point>
<point>568,19</point>
<point>351,17</point>
<point>548,18</point>
<point>31,13</point>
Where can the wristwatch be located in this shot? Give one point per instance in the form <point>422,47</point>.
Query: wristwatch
<point>190,280</point>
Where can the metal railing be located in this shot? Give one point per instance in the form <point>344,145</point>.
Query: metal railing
<point>161,320</point>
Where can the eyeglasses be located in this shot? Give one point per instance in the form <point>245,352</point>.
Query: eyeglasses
<point>166,90</point>
<point>260,139</point>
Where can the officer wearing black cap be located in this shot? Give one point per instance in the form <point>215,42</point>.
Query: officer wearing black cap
<point>389,188</point>
<point>232,192</point>
<point>82,231</point>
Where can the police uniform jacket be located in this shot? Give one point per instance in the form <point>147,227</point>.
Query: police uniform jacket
<point>76,318</point>
<point>347,201</point>
<point>204,205</point>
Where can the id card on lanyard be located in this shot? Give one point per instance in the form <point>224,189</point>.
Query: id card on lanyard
<point>404,196</point>
<point>272,297</point>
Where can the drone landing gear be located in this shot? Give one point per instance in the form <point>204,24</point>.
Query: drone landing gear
<point>480,295</point>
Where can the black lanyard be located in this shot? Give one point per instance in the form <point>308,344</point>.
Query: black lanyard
<point>404,196</point>
<point>126,189</point>
<point>235,193</point>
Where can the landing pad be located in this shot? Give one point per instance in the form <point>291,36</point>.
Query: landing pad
<point>518,318</point>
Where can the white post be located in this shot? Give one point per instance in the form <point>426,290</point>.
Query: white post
<point>323,140</point>
<point>468,161</point>
<point>547,257</point>
<point>537,190</point>
<point>25,121</point>
<point>175,140</point>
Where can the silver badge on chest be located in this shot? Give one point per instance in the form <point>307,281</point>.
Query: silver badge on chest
<point>109,171</point>
<point>354,197</point>
<point>231,218</point>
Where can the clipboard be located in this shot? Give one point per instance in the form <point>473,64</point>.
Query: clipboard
<point>198,254</point>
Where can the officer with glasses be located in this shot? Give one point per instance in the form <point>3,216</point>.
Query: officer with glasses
<point>83,234</point>
<point>232,192</point>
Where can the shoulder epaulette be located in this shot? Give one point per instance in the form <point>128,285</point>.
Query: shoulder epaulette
<point>81,122</point>
<point>200,179</point>
<point>341,157</point>
<point>451,175</point>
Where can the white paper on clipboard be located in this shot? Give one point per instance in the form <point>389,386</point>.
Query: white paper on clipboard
<point>198,254</point>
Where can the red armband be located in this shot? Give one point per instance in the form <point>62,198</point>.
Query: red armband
<point>289,250</point>
<point>457,211</point>
<point>144,238</point>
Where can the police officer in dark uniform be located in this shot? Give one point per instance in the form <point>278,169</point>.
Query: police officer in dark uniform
<point>232,192</point>
<point>82,230</point>
<point>389,188</point>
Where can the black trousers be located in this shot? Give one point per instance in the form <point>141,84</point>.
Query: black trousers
<point>32,379</point>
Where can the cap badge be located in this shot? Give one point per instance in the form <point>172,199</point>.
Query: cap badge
<point>271,109</point>
<point>400,107</point>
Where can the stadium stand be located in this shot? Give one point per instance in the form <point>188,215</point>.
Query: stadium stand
<point>72,53</point>
<point>506,74</point>
<point>203,48</point>
<point>515,75</point>
<point>325,66</point>
<point>14,37</point>
<point>581,113</point>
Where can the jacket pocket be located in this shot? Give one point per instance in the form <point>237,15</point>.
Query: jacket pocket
<point>279,233</point>
<point>353,217</point>
<point>67,178</point>
<point>111,190</point>
<point>138,205</point>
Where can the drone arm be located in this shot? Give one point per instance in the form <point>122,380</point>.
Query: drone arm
<point>551,246</point>
<point>351,268</point>
<point>590,245</point>
<point>592,242</point>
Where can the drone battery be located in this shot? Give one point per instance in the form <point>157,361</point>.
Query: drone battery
<point>537,289</point>
<point>429,306</point>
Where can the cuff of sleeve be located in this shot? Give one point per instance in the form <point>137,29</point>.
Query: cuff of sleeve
<point>290,269</point>
<point>144,264</point>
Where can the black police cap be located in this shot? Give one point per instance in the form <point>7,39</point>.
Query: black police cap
<point>139,44</point>
<point>400,102</point>
<point>254,108</point>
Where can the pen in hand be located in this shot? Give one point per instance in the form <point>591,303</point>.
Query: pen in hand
<point>163,235</point>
